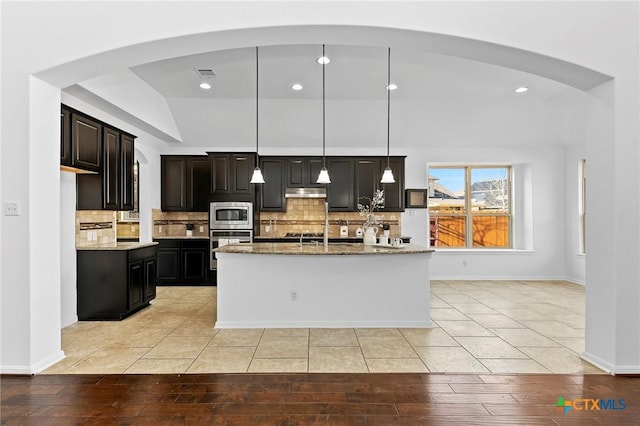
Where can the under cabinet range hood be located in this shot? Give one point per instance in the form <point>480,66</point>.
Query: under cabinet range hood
<point>305,193</point>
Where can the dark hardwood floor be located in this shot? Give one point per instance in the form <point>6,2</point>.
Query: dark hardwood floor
<point>322,399</point>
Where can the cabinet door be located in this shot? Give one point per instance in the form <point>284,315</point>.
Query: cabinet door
<point>194,265</point>
<point>313,170</point>
<point>65,138</point>
<point>242,170</point>
<point>168,265</point>
<point>126,172</point>
<point>173,191</point>
<point>367,179</point>
<point>340,192</point>
<point>272,191</point>
<point>111,169</point>
<point>136,285</point>
<point>149,279</point>
<point>86,143</point>
<point>295,172</point>
<point>393,192</point>
<point>220,174</point>
<point>198,184</point>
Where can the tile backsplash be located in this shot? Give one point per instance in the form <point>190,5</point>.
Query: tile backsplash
<point>304,214</point>
<point>95,227</point>
<point>174,224</point>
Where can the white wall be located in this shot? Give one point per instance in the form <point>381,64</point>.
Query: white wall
<point>68,293</point>
<point>40,35</point>
<point>574,261</point>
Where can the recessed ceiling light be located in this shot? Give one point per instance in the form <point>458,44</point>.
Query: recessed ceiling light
<point>323,60</point>
<point>205,86</point>
<point>392,86</point>
<point>521,89</point>
<point>296,86</point>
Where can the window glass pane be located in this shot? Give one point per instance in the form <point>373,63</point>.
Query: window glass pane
<point>447,231</point>
<point>447,190</point>
<point>490,190</point>
<point>490,231</point>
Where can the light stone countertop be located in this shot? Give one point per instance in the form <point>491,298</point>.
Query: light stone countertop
<point>118,246</point>
<point>308,248</point>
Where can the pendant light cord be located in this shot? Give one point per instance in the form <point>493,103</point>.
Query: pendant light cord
<point>323,111</point>
<point>257,126</point>
<point>388,101</point>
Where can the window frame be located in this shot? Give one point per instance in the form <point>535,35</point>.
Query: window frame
<point>468,212</point>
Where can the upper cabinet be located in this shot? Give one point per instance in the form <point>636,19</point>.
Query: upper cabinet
<point>271,192</point>
<point>340,192</point>
<point>351,179</point>
<point>368,172</point>
<point>231,176</point>
<point>86,143</point>
<point>184,183</point>
<point>80,141</point>
<point>98,147</point>
<point>302,172</point>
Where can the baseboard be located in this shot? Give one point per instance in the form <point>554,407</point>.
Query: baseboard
<point>324,324</point>
<point>498,278</point>
<point>574,280</point>
<point>598,362</point>
<point>33,369</point>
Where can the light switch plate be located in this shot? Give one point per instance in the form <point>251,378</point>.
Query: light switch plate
<point>12,208</point>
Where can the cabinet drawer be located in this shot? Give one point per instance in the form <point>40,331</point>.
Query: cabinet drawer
<point>167,243</point>
<point>196,244</point>
<point>142,253</point>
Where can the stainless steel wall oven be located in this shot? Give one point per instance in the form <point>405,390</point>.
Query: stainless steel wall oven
<point>229,223</point>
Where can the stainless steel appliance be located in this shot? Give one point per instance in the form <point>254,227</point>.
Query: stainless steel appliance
<point>229,223</point>
<point>231,215</point>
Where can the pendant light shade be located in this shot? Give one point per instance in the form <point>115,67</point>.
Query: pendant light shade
<point>257,173</point>
<point>387,176</point>
<point>323,177</point>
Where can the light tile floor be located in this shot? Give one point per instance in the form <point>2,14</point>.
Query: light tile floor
<point>480,326</point>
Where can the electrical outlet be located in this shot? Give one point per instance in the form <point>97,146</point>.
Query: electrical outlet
<point>12,208</point>
<point>294,296</point>
<point>133,228</point>
<point>201,228</point>
<point>267,228</point>
<point>464,262</point>
<point>159,229</point>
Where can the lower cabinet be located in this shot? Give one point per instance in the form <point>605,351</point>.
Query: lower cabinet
<point>184,262</point>
<point>113,284</point>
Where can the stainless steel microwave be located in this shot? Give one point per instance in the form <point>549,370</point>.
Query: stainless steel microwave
<point>230,215</point>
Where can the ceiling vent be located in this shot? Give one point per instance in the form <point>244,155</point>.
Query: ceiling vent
<point>206,72</point>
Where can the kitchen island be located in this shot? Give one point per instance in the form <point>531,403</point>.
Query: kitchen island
<point>289,285</point>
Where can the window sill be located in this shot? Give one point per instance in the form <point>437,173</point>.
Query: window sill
<point>482,251</point>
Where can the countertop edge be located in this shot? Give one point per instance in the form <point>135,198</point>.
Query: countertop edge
<point>118,246</point>
<point>345,249</point>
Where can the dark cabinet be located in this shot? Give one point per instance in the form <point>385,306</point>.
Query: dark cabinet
<point>368,172</point>
<point>184,183</point>
<point>271,192</point>
<point>231,175</point>
<point>65,137</point>
<point>111,179</point>
<point>86,143</point>
<point>113,284</point>
<point>340,192</point>
<point>351,179</point>
<point>302,172</point>
<point>183,262</point>
<point>112,189</point>
<point>127,160</point>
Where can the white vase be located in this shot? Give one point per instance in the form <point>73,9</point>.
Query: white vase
<point>370,233</point>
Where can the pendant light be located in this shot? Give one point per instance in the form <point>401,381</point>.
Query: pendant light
<point>323,177</point>
<point>257,173</point>
<point>387,176</point>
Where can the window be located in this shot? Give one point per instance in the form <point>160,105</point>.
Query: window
<point>470,206</point>
<point>582,206</point>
